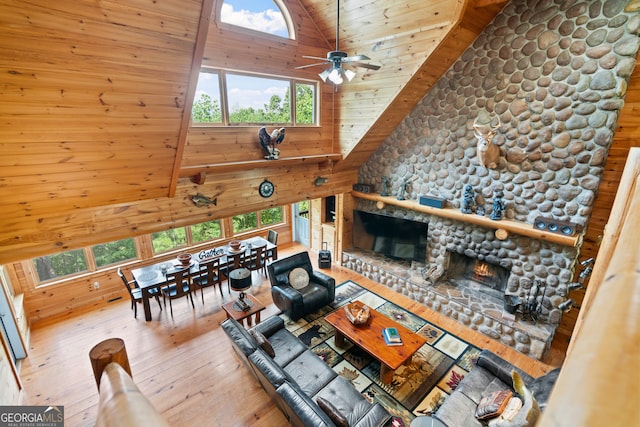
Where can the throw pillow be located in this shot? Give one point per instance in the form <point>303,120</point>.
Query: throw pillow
<point>332,412</point>
<point>263,342</point>
<point>298,278</point>
<point>492,405</point>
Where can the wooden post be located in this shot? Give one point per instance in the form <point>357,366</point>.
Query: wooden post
<point>105,352</point>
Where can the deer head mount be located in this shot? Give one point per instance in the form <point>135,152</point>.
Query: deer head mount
<point>488,153</point>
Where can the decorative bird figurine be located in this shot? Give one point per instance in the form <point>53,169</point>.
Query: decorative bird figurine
<point>269,142</point>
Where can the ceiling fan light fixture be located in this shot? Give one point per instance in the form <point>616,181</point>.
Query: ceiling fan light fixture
<point>325,74</point>
<point>336,76</point>
<point>349,74</point>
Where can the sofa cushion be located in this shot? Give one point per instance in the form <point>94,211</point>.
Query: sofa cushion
<point>263,342</point>
<point>310,372</point>
<point>273,373</point>
<point>301,408</point>
<point>458,411</point>
<point>286,346</point>
<point>314,295</point>
<point>338,419</point>
<point>346,399</point>
<point>479,383</point>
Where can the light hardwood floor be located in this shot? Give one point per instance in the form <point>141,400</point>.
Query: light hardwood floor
<point>185,365</point>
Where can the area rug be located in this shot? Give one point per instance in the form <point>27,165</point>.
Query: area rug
<point>418,388</point>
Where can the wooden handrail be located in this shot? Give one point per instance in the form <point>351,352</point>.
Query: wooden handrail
<point>121,402</point>
<point>598,384</point>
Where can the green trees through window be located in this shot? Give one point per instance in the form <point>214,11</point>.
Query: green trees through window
<point>252,100</point>
<point>59,265</point>
<point>67,264</point>
<point>114,252</point>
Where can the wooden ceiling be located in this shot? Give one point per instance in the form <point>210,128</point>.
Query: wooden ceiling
<point>95,100</point>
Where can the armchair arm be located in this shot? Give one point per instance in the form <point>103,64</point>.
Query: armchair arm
<point>287,299</point>
<point>326,281</point>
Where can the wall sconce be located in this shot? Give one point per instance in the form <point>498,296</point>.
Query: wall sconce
<point>320,180</point>
<point>567,305</point>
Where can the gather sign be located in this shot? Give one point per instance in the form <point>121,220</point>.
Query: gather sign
<point>207,254</point>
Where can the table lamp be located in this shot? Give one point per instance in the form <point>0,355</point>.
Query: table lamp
<point>240,281</point>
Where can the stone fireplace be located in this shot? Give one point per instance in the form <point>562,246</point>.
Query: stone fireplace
<point>468,273</point>
<point>550,78</point>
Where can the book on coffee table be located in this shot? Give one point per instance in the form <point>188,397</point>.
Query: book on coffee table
<point>391,336</point>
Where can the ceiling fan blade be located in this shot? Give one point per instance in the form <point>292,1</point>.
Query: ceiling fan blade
<point>315,57</point>
<point>356,58</point>
<point>312,65</point>
<point>364,65</point>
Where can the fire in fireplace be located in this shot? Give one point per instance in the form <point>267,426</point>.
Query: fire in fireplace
<point>477,275</point>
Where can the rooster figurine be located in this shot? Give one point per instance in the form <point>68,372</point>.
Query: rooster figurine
<point>269,142</point>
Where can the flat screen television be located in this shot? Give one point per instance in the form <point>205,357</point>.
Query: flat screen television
<point>395,238</point>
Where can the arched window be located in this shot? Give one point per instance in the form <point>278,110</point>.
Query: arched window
<point>268,16</point>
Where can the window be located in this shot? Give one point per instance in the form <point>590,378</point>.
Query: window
<point>252,99</point>
<point>59,265</point>
<point>167,240</point>
<point>114,252</point>
<point>259,15</point>
<point>206,231</point>
<point>244,222</point>
<point>251,221</point>
<point>257,99</point>
<point>305,104</point>
<point>271,216</point>
<point>206,104</point>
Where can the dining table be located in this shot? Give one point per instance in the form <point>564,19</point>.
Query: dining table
<point>154,277</point>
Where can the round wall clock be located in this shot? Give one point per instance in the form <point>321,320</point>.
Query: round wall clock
<point>266,188</point>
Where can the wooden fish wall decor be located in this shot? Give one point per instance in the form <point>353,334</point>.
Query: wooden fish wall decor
<point>200,200</point>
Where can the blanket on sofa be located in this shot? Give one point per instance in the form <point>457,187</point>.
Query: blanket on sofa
<point>416,389</point>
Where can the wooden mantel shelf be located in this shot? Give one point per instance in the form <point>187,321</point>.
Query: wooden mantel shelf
<point>503,226</point>
<point>322,159</point>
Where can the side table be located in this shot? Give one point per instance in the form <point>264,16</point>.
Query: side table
<point>251,316</point>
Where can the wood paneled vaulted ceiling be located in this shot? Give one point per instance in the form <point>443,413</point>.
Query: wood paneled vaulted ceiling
<point>95,100</point>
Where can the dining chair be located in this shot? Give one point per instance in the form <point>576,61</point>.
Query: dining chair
<point>272,237</point>
<point>210,274</point>
<point>136,293</point>
<point>256,259</point>
<point>177,286</point>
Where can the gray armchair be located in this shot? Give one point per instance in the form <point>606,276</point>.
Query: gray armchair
<point>296,303</point>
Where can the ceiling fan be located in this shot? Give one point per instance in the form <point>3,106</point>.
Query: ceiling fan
<point>337,58</point>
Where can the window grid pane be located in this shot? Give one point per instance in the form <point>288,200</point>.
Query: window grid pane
<point>169,239</point>
<point>59,265</point>
<point>114,252</point>
<point>245,222</point>
<point>211,230</point>
<point>305,102</point>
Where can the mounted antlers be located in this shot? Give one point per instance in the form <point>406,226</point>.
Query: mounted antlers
<point>488,153</point>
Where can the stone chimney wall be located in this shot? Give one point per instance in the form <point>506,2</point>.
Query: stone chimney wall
<point>554,75</point>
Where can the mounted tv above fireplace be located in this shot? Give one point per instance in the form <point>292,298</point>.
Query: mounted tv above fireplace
<point>395,238</point>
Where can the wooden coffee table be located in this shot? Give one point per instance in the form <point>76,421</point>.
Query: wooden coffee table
<point>369,338</point>
<point>242,316</point>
